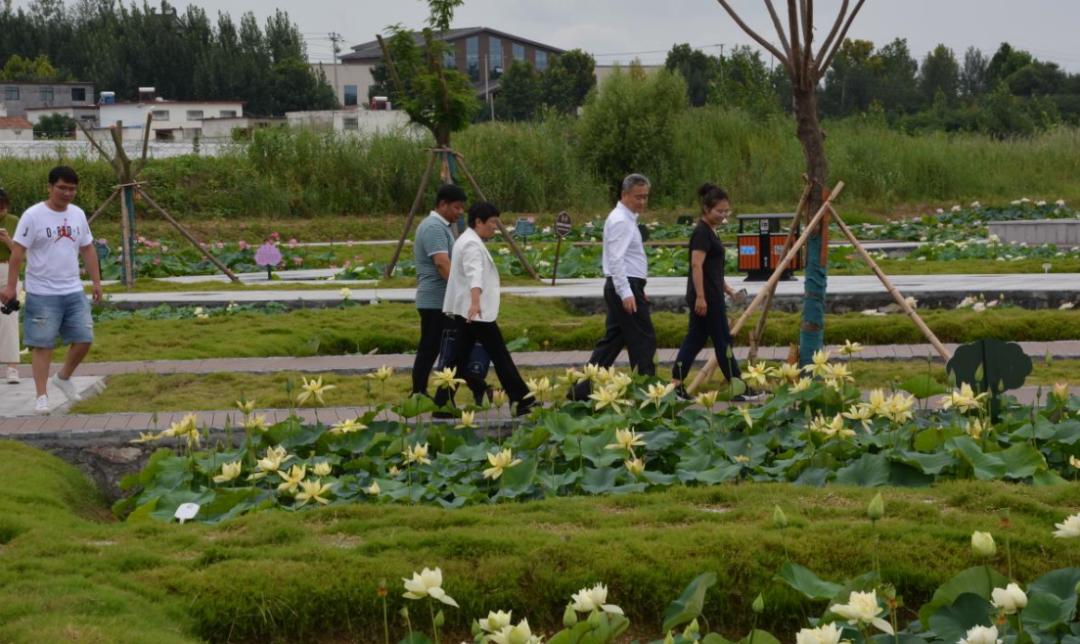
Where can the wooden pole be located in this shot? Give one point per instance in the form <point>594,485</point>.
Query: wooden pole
<point>145,141</point>
<point>187,235</point>
<point>710,366</point>
<point>102,207</point>
<point>555,268</point>
<point>506,235</point>
<point>890,287</point>
<point>127,215</point>
<point>412,214</point>
<point>759,329</point>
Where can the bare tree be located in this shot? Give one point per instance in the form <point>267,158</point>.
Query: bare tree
<point>806,67</point>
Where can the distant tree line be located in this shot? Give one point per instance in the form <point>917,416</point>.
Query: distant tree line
<point>184,55</point>
<point>1009,93</point>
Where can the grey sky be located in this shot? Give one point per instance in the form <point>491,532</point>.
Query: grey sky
<point>1047,28</point>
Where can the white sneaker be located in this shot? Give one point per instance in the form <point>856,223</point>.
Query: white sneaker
<point>42,405</point>
<point>12,376</point>
<point>67,387</point>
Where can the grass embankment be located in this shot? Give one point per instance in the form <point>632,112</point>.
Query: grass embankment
<point>73,573</point>
<point>145,392</point>
<point>549,325</point>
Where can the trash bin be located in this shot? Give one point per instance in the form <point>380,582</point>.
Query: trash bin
<point>761,246</point>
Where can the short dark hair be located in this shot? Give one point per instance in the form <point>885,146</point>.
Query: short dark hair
<point>4,200</point>
<point>64,172</point>
<point>481,212</point>
<point>710,195</point>
<point>449,193</point>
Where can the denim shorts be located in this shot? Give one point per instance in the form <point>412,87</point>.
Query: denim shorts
<point>47,316</point>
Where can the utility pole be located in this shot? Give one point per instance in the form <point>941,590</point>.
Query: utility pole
<point>335,37</point>
<point>722,64</point>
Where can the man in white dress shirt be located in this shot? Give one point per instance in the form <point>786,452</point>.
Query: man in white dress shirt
<point>626,268</point>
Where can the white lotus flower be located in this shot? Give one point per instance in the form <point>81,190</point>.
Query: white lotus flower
<point>862,608</point>
<point>427,583</point>
<point>1009,599</point>
<point>981,635</point>
<point>587,600</point>
<point>1069,528</point>
<point>496,621</point>
<point>827,634</point>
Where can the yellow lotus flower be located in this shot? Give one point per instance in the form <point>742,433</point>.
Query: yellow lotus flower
<point>975,428</point>
<point>964,399</point>
<point>468,419</point>
<point>312,491</point>
<point>609,396</point>
<point>229,471</point>
<point>707,399</point>
<point>255,423</point>
<point>373,489</point>
<point>447,379</point>
<point>819,362</point>
<point>275,456</point>
<point>538,388</point>
<point>1075,462</point>
<point>635,466</point>
<point>500,461</point>
<point>427,583</point>
<point>878,403</point>
<point>322,468</point>
<point>626,439</point>
<point>757,375</point>
<point>245,406</point>
<point>747,418</point>
<point>345,293</point>
<point>851,348</point>
<point>831,428</point>
<point>313,390</point>
<point>900,407</point>
<point>802,384</point>
<point>186,428</point>
<point>788,372</point>
<point>572,376</point>
<point>603,374</point>
<point>591,371</point>
<point>147,437</point>
<point>620,380</point>
<point>655,394</point>
<point>393,471</point>
<point>417,454</point>
<point>347,426</point>
<point>837,372</point>
<point>291,479</point>
<point>499,398</point>
<point>1060,391</point>
<point>862,413</point>
<point>382,374</point>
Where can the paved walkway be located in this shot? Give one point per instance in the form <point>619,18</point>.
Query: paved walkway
<point>17,401</point>
<point>1052,286</point>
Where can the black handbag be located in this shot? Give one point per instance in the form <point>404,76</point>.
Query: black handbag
<point>478,364</point>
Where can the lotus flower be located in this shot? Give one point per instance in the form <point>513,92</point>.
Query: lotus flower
<point>347,426</point>
<point>417,454</point>
<point>427,583</point>
<point>1009,599</point>
<point>587,600</point>
<point>382,374</point>
<point>862,608</point>
<point>312,491</point>
<point>827,634</point>
<point>1069,528</point>
<point>626,439</point>
<point>229,471</point>
<point>500,461</point>
<point>291,479</point>
<point>981,635</point>
<point>313,390</point>
<point>447,379</point>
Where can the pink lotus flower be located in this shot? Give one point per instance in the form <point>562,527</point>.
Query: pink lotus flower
<point>293,243</point>
<point>275,236</point>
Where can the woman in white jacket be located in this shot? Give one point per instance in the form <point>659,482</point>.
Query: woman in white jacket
<point>472,300</point>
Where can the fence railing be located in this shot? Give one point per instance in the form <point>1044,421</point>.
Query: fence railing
<point>76,149</point>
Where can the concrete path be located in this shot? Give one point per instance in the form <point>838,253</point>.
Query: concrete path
<point>1052,287</point>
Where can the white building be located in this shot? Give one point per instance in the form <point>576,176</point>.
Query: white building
<point>85,114</point>
<point>236,128</point>
<point>351,82</point>
<point>15,128</point>
<point>357,120</point>
<point>172,120</point>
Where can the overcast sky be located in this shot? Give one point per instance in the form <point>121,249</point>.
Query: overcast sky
<point>610,29</point>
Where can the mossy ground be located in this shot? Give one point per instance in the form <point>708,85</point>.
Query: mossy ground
<point>71,572</point>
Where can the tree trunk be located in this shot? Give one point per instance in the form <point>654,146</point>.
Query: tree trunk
<point>812,331</point>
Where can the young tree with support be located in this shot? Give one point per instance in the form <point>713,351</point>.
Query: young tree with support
<point>806,67</point>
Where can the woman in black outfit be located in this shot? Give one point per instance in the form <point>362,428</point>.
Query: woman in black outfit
<point>705,288</point>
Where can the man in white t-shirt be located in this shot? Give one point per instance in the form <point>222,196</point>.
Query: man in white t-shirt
<point>52,235</point>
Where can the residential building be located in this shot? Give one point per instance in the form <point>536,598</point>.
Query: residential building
<point>171,120</point>
<point>357,120</point>
<point>351,82</point>
<point>16,128</point>
<point>481,53</point>
<point>236,128</point>
<point>21,96</point>
<point>85,114</point>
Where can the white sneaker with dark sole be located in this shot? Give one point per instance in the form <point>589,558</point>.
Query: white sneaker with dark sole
<point>41,406</point>
<point>12,376</point>
<point>67,387</point>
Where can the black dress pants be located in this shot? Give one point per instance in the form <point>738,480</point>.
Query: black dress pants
<point>490,337</point>
<point>713,325</point>
<point>432,323</point>
<point>633,331</point>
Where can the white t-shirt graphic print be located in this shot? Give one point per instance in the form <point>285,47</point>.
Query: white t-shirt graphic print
<point>52,241</point>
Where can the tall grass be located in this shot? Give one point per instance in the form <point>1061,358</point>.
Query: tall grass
<point>541,167</point>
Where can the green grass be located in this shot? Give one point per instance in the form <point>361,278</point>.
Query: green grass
<point>145,392</point>
<point>73,573</point>
<point>549,325</point>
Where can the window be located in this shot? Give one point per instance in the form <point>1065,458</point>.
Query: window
<point>519,51</point>
<point>78,94</point>
<point>449,59</point>
<point>11,93</point>
<point>194,115</point>
<point>472,57</point>
<point>227,114</point>
<point>351,95</point>
<point>495,57</point>
<point>45,94</point>
<point>161,115</point>
<point>541,60</point>
<point>351,123</point>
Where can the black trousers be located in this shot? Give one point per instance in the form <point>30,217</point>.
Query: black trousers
<point>490,337</point>
<point>714,326</point>
<point>432,324</point>
<point>632,331</point>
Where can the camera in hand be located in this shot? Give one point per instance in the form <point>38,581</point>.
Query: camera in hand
<point>10,307</point>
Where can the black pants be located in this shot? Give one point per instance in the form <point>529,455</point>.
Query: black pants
<point>489,336</point>
<point>432,323</point>
<point>634,331</point>
<point>714,325</point>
